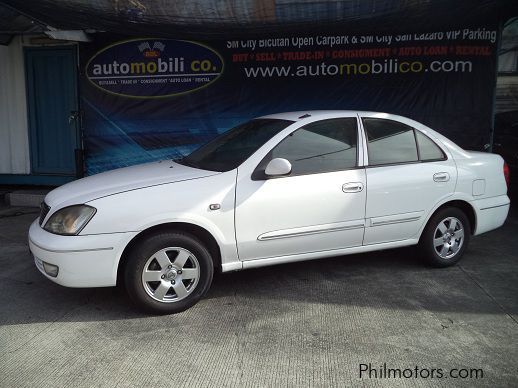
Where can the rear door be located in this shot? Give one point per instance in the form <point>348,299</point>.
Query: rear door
<point>407,174</point>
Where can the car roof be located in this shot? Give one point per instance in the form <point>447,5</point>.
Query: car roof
<point>302,114</point>
<point>313,115</point>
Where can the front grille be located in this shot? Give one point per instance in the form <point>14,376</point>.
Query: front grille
<point>44,210</point>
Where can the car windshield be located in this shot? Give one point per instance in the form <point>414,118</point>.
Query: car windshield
<point>233,147</point>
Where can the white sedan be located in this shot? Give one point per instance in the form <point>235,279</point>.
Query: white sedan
<point>277,189</point>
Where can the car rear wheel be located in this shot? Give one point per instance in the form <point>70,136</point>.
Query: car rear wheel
<point>445,238</point>
<point>168,272</point>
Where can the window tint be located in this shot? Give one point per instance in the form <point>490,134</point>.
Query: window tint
<point>428,150</point>
<point>322,146</point>
<point>389,142</point>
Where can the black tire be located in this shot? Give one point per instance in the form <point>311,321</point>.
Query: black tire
<point>138,258</point>
<point>427,246</point>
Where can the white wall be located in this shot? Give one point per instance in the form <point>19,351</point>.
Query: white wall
<point>14,134</point>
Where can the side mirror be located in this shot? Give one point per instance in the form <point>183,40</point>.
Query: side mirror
<point>278,167</point>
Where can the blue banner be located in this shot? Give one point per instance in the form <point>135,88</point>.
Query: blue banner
<point>151,98</point>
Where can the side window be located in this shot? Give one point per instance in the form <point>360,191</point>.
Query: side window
<point>389,142</point>
<point>428,150</point>
<point>322,146</point>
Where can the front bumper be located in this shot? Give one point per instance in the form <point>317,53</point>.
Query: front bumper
<point>83,261</point>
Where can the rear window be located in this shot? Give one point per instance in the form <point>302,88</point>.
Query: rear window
<point>428,150</point>
<point>392,142</point>
<point>389,142</point>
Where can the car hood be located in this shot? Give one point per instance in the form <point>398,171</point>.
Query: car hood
<point>120,180</point>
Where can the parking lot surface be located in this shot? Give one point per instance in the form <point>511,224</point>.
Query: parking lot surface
<point>303,324</point>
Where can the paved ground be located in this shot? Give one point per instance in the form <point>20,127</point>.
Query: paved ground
<point>307,324</point>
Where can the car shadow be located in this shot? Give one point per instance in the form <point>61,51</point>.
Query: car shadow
<point>392,279</point>
<point>486,281</point>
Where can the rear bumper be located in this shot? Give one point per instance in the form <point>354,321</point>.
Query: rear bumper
<point>83,261</point>
<point>491,212</point>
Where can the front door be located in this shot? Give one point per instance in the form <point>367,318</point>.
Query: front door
<point>319,207</point>
<point>53,109</point>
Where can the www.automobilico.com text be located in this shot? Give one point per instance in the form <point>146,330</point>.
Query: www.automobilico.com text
<point>454,51</point>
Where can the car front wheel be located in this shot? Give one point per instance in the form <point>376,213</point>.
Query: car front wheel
<point>168,272</point>
<point>445,238</point>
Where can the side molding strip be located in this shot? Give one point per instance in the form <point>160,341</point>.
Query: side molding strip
<point>72,250</point>
<point>305,231</point>
<point>396,219</point>
<point>492,207</point>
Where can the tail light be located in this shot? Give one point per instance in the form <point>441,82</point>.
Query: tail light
<point>507,174</point>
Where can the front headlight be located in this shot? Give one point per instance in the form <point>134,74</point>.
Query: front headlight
<point>70,220</point>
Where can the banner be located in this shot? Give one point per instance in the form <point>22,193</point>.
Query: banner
<point>151,98</point>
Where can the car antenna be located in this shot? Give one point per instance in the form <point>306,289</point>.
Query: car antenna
<point>305,116</point>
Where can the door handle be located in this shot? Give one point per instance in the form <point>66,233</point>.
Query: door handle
<point>441,177</point>
<point>352,187</point>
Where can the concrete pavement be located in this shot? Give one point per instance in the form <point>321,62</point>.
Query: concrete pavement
<point>304,324</point>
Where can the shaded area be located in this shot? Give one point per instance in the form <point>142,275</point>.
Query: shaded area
<point>215,18</point>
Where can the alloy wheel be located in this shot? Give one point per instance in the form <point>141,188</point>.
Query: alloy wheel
<point>448,237</point>
<point>171,274</point>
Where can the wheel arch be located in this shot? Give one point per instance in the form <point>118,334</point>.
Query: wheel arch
<point>195,230</point>
<point>460,204</point>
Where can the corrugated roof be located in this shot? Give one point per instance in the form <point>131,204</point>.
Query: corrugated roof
<point>206,18</point>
